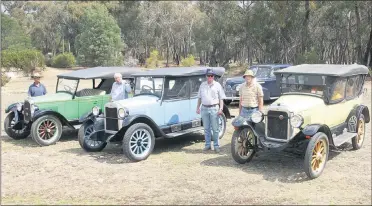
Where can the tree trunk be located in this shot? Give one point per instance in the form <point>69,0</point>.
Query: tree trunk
<point>368,52</point>
<point>305,34</point>
<point>358,34</point>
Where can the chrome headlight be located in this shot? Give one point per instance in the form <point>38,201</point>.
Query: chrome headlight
<point>257,117</point>
<point>238,87</point>
<point>122,113</point>
<point>95,110</point>
<point>19,107</point>
<point>296,120</point>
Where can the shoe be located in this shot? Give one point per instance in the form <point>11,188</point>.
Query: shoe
<point>217,150</point>
<point>206,149</point>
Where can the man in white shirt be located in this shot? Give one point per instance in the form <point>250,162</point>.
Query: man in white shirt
<point>211,97</point>
<point>120,89</point>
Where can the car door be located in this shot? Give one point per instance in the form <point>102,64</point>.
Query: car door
<point>87,97</point>
<point>176,100</point>
<point>336,113</point>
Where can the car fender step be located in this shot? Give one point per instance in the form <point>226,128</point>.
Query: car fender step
<point>344,137</point>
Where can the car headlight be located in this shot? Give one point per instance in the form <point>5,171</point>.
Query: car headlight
<point>238,87</point>
<point>95,111</point>
<point>121,113</point>
<point>19,107</point>
<point>257,117</point>
<point>296,120</point>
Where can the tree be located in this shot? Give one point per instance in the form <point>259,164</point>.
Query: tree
<point>12,34</point>
<point>99,43</point>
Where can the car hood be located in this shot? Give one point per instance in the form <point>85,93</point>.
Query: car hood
<point>137,104</point>
<point>235,80</point>
<point>51,98</point>
<point>298,103</point>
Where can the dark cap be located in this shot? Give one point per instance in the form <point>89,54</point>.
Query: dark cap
<point>210,72</point>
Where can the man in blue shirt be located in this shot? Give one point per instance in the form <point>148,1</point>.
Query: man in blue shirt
<point>120,89</point>
<point>36,89</point>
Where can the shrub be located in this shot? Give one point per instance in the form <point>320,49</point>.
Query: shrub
<point>188,62</point>
<point>4,79</point>
<point>64,60</point>
<point>24,60</point>
<point>153,60</point>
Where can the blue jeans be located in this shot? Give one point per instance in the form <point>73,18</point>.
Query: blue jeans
<point>210,122</point>
<point>247,113</point>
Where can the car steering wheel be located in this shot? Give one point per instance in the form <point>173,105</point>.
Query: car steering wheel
<point>150,89</point>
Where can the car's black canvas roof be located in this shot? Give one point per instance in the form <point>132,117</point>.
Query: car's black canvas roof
<point>100,72</point>
<point>181,71</point>
<point>339,70</point>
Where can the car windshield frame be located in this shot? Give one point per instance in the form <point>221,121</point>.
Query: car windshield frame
<point>138,91</point>
<point>317,89</point>
<point>258,71</point>
<point>71,91</point>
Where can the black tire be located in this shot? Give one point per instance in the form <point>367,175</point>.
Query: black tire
<point>224,123</point>
<point>15,134</point>
<point>239,152</point>
<point>42,123</point>
<point>227,102</point>
<point>129,142</point>
<point>357,141</point>
<point>315,157</point>
<point>86,143</point>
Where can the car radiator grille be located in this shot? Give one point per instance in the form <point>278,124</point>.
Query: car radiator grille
<point>111,119</point>
<point>277,128</point>
<point>27,110</point>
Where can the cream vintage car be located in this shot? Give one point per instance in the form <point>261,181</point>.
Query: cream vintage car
<point>320,108</point>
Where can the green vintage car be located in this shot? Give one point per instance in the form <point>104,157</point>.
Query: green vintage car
<point>77,92</point>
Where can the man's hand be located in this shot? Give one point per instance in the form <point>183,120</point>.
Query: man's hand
<point>198,110</point>
<point>219,111</point>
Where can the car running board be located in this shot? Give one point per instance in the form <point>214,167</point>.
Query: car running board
<point>344,137</point>
<point>179,133</point>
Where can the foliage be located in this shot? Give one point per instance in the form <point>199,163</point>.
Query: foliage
<point>153,60</point>
<point>23,60</point>
<point>64,60</point>
<point>12,35</point>
<point>4,79</point>
<point>189,61</point>
<point>99,44</point>
<point>310,57</point>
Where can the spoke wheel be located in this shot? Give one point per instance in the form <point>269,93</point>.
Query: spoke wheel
<point>221,126</point>
<point>316,155</point>
<point>16,134</point>
<point>46,130</point>
<point>239,145</point>
<point>138,142</point>
<point>88,139</point>
<point>357,141</point>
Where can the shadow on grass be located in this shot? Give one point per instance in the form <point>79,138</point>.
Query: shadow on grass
<point>282,167</point>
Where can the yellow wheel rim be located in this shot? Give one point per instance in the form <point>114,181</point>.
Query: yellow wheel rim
<point>319,155</point>
<point>360,131</point>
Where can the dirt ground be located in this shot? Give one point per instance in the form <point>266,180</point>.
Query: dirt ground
<point>176,173</point>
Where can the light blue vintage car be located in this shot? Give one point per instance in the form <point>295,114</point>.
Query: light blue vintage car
<point>164,105</point>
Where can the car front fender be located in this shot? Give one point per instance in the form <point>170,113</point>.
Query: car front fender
<point>133,119</point>
<point>40,113</point>
<point>312,129</point>
<point>12,107</point>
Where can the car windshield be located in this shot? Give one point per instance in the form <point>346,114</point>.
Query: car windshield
<point>67,85</point>
<point>149,85</point>
<point>310,84</point>
<point>262,72</point>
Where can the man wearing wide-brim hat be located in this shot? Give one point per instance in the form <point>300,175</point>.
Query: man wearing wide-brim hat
<point>251,95</point>
<point>36,89</point>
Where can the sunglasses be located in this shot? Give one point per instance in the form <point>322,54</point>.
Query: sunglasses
<point>210,76</point>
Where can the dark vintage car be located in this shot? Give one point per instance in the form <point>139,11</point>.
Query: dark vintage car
<point>264,75</point>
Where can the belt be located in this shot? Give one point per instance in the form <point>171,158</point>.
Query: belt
<point>250,107</point>
<point>212,105</point>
